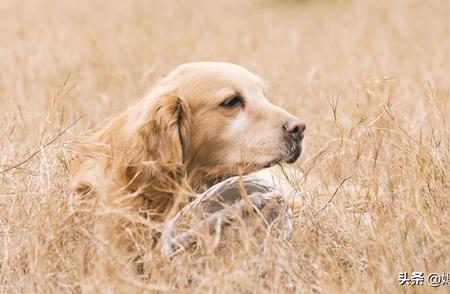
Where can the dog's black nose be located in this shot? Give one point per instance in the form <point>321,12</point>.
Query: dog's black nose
<point>295,129</point>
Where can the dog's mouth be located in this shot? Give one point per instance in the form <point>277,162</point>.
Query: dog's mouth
<point>272,163</point>
<point>289,155</point>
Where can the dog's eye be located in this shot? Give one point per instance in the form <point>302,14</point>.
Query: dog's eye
<point>235,101</point>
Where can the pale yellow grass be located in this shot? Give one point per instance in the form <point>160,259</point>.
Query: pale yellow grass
<point>369,78</point>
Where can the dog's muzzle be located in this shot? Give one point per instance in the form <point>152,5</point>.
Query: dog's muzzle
<point>294,132</point>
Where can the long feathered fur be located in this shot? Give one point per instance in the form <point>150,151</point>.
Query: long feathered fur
<point>137,158</point>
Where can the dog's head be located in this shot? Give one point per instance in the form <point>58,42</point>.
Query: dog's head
<point>214,119</point>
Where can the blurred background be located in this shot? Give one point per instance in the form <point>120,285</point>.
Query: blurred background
<point>115,51</point>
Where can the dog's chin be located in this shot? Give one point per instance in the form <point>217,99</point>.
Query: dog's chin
<point>295,154</point>
<point>290,155</point>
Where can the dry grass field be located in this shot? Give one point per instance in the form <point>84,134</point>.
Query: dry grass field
<point>369,78</point>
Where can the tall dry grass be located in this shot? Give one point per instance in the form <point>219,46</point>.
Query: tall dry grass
<point>369,78</point>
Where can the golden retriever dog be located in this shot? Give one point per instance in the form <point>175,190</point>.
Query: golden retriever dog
<point>203,123</point>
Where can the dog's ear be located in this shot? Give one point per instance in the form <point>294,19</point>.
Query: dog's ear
<point>165,130</point>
